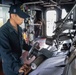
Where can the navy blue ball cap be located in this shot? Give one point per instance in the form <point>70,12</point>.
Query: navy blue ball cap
<point>19,10</point>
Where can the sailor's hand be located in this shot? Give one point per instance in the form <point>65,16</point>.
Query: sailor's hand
<point>37,46</point>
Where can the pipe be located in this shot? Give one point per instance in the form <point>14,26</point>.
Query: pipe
<point>53,2</point>
<point>37,2</point>
<point>49,5</point>
<point>67,2</point>
<point>3,5</point>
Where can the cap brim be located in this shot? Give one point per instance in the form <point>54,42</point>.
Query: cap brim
<point>24,15</point>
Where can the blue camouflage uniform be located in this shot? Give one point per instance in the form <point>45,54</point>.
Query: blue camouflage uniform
<point>11,44</point>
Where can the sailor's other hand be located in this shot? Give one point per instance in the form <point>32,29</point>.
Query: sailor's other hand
<point>25,68</point>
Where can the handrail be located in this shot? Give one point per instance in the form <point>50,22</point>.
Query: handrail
<point>65,18</point>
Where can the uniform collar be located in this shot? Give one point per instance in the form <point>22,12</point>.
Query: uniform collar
<point>11,27</point>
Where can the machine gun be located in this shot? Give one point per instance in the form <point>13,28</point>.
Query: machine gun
<point>40,56</point>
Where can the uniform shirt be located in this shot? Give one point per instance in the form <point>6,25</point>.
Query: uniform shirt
<point>11,44</point>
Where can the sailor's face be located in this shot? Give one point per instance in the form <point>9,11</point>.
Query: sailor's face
<point>18,20</point>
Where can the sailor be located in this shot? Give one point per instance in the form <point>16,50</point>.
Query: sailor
<point>11,42</point>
